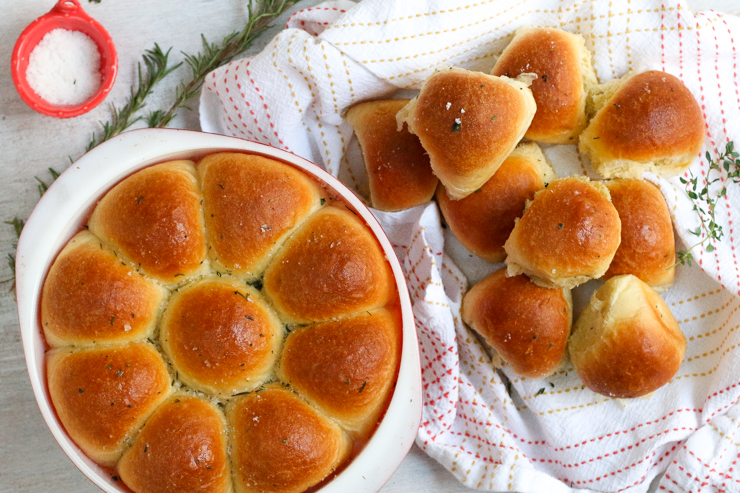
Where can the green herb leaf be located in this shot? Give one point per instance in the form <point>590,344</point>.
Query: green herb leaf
<point>705,201</point>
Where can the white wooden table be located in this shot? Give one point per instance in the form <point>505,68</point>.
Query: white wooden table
<point>30,459</point>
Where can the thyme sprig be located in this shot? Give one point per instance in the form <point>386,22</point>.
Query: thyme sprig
<point>156,63</point>
<point>214,55</point>
<point>705,201</point>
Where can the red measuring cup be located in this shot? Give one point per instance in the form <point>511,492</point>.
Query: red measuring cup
<point>66,14</point>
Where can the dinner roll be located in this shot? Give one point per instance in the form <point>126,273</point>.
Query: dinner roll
<point>102,395</point>
<point>567,235</point>
<point>154,218</point>
<point>331,266</point>
<point>647,249</point>
<point>564,75</point>
<point>644,122</point>
<point>346,367</point>
<point>251,204</point>
<point>626,342</point>
<point>469,122</point>
<point>483,220</point>
<point>90,296</point>
<point>397,166</point>
<point>182,447</point>
<point>526,324</point>
<point>281,444</point>
<point>221,336</point>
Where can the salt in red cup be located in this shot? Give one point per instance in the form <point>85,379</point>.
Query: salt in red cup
<point>69,15</point>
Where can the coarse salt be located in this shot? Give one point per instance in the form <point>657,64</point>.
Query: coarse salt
<point>64,68</point>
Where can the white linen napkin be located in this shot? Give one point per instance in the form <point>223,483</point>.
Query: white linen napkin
<point>530,435</point>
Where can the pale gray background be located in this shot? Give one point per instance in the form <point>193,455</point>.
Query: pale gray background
<point>30,459</point>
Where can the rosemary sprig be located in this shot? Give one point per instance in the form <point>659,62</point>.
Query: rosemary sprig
<point>705,202</point>
<point>213,56</point>
<point>43,187</point>
<point>156,68</point>
<point>18,227</point>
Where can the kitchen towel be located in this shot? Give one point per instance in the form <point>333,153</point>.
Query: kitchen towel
<point>492,429</point>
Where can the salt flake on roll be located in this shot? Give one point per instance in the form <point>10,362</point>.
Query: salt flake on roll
<point>469,122</point>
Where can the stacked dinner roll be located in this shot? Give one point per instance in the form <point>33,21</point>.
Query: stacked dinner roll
<point>501,199</point>
<point>223,325</point>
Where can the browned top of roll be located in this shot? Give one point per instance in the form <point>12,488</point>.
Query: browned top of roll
<point>251,205</point>
<point>221,336</point>
<point>154,218</point>
<point>570,230</point>
<point>651,116</point>
<point>331,266</point>
<point>468,122</point>
<point>483,220</point>
<point>397,165</point>
<point>648,249</point>
<point>555,56</point>
<point>626,343</point>
<point>181,448</point>
<point>526,324</point>
<point>90,296</point>
<point>102,395</point>
<point>345,367</point>
<point>281,444</point>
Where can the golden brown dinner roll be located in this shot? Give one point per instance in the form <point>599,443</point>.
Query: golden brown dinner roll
<point>483,220</point>
<point>281,444</point>
<point>397,165</point>
<point>251,204</point>
<point>182,447</point>
<point>221,336</point>
<point>468,122</point>
<point>526,324</point>
<point>644,122</point>
<point>626,342</point>
<point>102,395</point>
<point>90,297</point>
<point>345,367</point>
<point>647,249</point>
<point>567,235</point>
<point>154,218</point>
<point>331,266</point>
<point>564,75</point>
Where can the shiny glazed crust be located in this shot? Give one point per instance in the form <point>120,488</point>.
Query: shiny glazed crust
<point>398,168</point>
<point>218,331</point>
<point>483,220</point>
<point>626,343</point>
<point>647,249</point>
<point>469,122</point>
<point>564,75</point>
<point>568,234</point>
<point>72,311</point>
<point>647,122</point>
<point>331,266</point>
<point>251,205</point>
<point>526,324</point>
<point>181,448</point>
<point>281,444</point>
<point>103,395</point>
<point>221,336</point>
<point>345,367</point>
<point>154,218</point>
